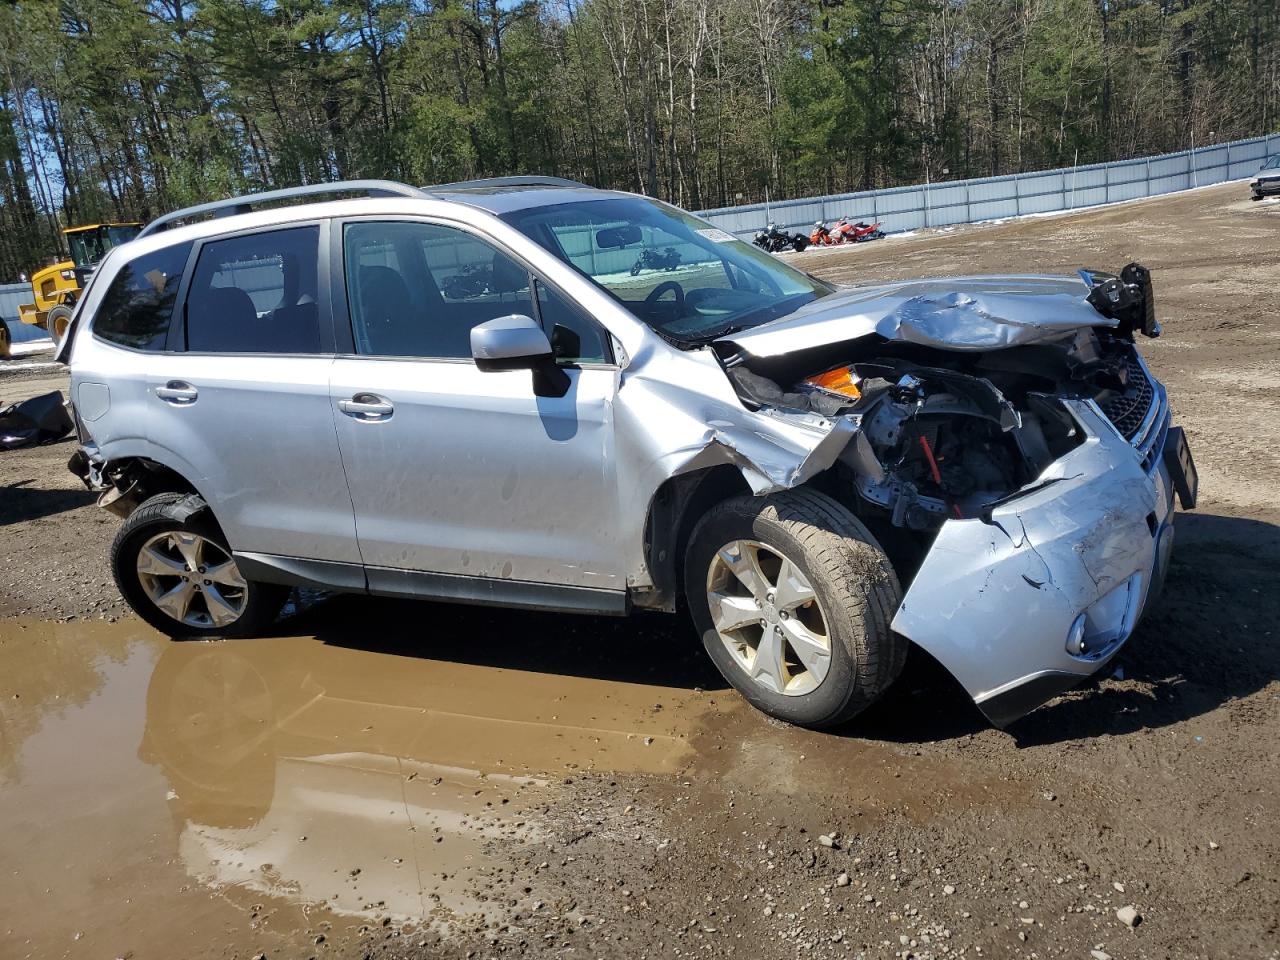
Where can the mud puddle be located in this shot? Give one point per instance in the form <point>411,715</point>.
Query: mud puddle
<point>376,769</point>
<point>180,799</point>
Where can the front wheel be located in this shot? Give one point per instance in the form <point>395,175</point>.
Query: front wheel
<point>57,321</point>
<point>793,599</point>
<point>173,566</point>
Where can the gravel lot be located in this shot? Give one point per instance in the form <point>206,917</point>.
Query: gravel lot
<point>589,788</point>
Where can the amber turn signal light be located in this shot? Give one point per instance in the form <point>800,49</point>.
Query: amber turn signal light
<point>841,380</point>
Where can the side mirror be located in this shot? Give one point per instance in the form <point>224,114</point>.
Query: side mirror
<point>509,343</point>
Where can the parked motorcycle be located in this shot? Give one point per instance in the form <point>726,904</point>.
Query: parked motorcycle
<point>471,281</point>
<point>858,232</point>
<point>775,241</point>
<point>821,236</point>
<point>668,260</point>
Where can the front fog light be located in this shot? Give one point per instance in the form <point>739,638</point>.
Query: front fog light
<point>1075,638</point>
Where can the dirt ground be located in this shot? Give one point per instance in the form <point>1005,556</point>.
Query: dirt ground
<point>389,779</point>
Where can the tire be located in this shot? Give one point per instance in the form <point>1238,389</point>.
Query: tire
<point>56,322</point>
<point>6,340</point>
<point>852,585</point>
<point>256,604</point>
<point>1256,196</point>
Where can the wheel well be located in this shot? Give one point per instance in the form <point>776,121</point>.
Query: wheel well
<point>134,479</point>
<point>677,506</point>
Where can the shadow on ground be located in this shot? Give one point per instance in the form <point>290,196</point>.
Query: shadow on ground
<point>645,648</point>
<point>1209,640</point>
<point>20,502</point>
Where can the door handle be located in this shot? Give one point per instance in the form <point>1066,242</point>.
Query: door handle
<point>367,407</point>
<point>178,393</point>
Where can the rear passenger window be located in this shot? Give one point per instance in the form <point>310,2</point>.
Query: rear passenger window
<point>137,306</point>
<point>256,294</point>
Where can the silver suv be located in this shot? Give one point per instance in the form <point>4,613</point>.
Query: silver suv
<point>532,393</point>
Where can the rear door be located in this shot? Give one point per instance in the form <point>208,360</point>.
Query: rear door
<point>460,472</point>
<point>244,399</point>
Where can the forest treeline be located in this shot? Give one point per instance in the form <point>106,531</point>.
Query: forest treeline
<point>123,109</point>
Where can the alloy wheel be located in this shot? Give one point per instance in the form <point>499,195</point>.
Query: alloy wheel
<point>192,579</point>
<point>767,615</point>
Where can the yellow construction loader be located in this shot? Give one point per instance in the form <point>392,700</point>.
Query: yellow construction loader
<point>57,287</point>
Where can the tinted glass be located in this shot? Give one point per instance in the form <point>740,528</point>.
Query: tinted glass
<point>417,289</point>
<point>685,278</point>
<point>136,309</point>
<point>256,294</point>
<point>574,338</point>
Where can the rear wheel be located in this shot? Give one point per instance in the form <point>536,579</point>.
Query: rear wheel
<point>172,564</point>
<point>793,598</point>
<point>5,340</point>
<point>57,321</point>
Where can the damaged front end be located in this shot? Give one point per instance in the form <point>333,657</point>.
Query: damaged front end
<point>1020,474</point>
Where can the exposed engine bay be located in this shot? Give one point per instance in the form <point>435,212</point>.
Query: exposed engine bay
<point>951,433</point>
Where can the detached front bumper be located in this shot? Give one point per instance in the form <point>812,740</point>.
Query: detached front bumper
<point>1024,603</point>
<point>1265,188</point>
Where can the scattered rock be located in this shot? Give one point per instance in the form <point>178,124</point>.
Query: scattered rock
<point>1049,795</point>
<point>842,880</point>
<point>1129,916</point>
<point>948,890</point>
<point>1119,887</point>
<point>1213,846</point>
<point>1099,955</point>
<point>829,840</point>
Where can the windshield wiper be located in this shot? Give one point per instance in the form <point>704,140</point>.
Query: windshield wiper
<point>758,317</point>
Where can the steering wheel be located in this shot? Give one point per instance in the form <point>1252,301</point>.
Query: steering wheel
<point>666,285</point>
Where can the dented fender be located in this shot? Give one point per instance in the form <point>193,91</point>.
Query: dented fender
<point>999,601</point>
<point>678,413</point>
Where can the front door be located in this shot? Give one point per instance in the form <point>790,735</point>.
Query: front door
<point>455,472</point>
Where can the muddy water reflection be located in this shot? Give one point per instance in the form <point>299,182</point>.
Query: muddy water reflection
<point>282,774</point>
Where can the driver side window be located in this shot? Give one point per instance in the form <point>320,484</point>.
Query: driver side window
<point>417,289</point>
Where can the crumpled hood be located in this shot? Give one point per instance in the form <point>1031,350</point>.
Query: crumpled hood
<point>952,313</point>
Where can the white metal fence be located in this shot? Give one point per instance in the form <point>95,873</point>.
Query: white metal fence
<point>993,198</point>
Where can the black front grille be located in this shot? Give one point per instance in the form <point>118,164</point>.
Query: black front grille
<point>1126,409</point>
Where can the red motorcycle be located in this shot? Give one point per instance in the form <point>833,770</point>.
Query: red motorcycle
<point>857,232</point>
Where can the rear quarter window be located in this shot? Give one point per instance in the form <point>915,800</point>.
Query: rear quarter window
<point>137,307</point>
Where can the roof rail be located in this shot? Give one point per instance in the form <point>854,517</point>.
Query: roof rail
<point>235,205</point>
<point>516,181</point>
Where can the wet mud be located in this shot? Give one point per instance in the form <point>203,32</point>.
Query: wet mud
<point>284,785</point>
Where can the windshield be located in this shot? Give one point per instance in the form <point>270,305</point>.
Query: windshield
<point>121,234</point>
<point>90,246</point>
<point>1273,163</point>
<point>86,247</point>
<point>688,280</point>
